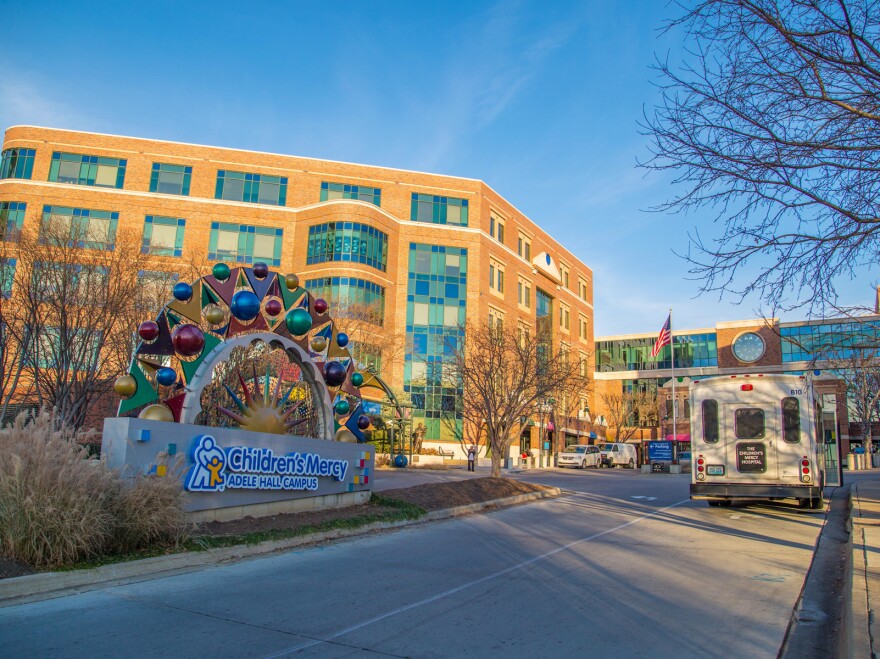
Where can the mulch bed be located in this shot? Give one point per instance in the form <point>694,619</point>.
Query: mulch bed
<point>430,496</point>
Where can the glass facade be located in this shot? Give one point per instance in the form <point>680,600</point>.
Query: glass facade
<point>244,243</point>
<point>350,290</point>
<point>11,219</point>
<point>345,191</point>
<point>81,227</point>
<point>17,163</point>
<point>829,341</point>
<point>348,241</point>
<point>163,236</point>
<point>251,188</point>
<point>439,210</point>
<point>691,351</point>
<point>170,179</point>
<point>435,313</point>
<point>543,325</point>
<point>87,170</point>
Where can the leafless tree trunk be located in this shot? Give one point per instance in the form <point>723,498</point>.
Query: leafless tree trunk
<point>772,121</point>
<point>503,376</point>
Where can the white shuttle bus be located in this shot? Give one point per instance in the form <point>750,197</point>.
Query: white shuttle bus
<point>756,437</point>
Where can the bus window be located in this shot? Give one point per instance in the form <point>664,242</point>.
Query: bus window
<point>710,421</point>
<point>749,423</point>
<point>791,420</point>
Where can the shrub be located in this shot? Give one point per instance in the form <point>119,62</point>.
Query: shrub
<point>57,507</point>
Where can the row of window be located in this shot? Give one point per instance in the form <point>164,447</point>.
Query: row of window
<point>167,178</point>
<point>749,422</point>
<point>361,298</point>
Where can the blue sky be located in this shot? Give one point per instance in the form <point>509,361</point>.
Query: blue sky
<point>539,99</point>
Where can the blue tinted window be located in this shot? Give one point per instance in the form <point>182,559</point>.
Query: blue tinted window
<point>170,179</point>
<point>87,170</point>
<point>17,163</point>
<point>346,191</point>
<point>347,241</point>
<point>251,188</point>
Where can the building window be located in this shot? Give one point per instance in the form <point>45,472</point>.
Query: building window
<point>438,210</point>
<point>11,219</point>
<point>345,191</point>
<point>524,293</point>
<point>79,227</point>
<point>496,320</point>
<point>524,248</point>
<point>691,351</point>
<point>496,228</point>
<point>7,274</point>
<point>251,188</point>
<point>348,241</point>
<point>170,179</point>
<point>582,328</point>
<point>583,369</point>
<point>163,236</point>
<point>564,317</point>
<point>17,163</point>
<point>563,274</point>
<point>496,277</point>
<point>352,293</point>
<point>87,170</point>
<point>244,243</point>
<point>582,289</point>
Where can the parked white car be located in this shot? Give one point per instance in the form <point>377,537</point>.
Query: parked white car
<point>618,455</point>
<point>581,456</point>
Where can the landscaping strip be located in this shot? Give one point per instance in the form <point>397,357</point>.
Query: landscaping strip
<point>50,584</point>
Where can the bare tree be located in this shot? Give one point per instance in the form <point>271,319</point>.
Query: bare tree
<point>70,315</point>
<point>503,375</point>
<point>629,411</point>
<point>773,122</point>
<point>371,343</point>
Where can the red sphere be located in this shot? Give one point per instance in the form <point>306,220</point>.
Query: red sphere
<point>273,307</point>
<point>148,330</point>
<point>188,340</point>
<point>320,305</point>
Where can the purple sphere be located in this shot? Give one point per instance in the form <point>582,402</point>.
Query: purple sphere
<point>274,307</point>
<point>320,305</point>
<point>334,374</point>
<point>261,270</point>
<point>188,340</point>
<point>363,422</point>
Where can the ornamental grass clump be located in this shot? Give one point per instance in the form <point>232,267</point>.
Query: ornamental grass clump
<point>57,507</point>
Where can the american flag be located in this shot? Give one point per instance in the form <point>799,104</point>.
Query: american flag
<point>665,337</point>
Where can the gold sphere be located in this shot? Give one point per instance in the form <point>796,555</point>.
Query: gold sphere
<point>319,343</point>
<point>345,435</point>
<point>157,412</point>
<point>214,314</point>
<point>291,281</point>
<point>125,386</point>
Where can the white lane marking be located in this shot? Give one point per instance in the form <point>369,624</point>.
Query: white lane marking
<point>642,497</point>
<point>458,589</point>
<point>735,516</point>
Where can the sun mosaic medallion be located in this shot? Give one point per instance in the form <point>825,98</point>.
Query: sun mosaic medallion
<point>246,348</point>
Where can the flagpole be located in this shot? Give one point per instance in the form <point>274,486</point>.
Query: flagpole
<point>674,424</point>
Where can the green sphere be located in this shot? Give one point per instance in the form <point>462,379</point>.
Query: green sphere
<point>299,321</point>
<point>221,272</point>
<point>342,407</point>
<point>357,379</point>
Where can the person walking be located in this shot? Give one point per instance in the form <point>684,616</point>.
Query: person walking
<point>472,456</point>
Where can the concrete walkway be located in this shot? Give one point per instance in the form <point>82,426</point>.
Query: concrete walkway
<point>866,568</point>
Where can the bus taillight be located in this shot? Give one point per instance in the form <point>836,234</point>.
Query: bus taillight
<point>805,470</point>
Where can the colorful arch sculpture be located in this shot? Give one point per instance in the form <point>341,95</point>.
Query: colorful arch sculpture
<point>240,306</point>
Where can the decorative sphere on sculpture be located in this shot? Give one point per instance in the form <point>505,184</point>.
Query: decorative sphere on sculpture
<point>214,314</point>
<point>125,386</point>
<point>291,281</point>
<point>166,376</point>
<point>182,292</point>
<point>148,330</point>
<point>319,343</point>
<point>188,340</point>
<point>400,460</point>
<point>261,270</point>
<point>298,321</point>
<point>342,339</point>
<point>363,422</point>
<point>334,374</point>
<point>342,407</point>
<point>245,305</point>
<point>221,272</point>
<point>320,306</point>
<point>274,307</point>
<point>357,379</point>
<point>156,412</point>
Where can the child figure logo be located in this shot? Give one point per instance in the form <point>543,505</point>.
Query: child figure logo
<point>209,461</point>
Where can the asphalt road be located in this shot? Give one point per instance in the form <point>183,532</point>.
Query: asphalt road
<point>622,565</point>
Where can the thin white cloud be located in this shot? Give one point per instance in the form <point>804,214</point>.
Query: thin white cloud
<point>24,101</point>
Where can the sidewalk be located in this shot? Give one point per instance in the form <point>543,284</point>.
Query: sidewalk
<point>866,568</point>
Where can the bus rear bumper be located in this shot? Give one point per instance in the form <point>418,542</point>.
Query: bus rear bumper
<point>753,491</point>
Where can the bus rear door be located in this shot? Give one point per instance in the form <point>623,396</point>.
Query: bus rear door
<point>752,447</point>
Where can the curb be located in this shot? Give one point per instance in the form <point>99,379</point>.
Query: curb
<point>30,587</point>
<point>820,624</point>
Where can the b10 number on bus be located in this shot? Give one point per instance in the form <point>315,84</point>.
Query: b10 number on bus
<point>796,392</point>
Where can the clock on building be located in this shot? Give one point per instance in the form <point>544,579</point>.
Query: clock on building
<point>748,347</point>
